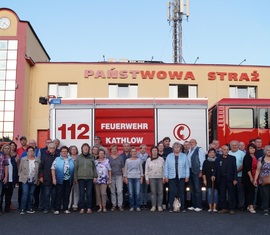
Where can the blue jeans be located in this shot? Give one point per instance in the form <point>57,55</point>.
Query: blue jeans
<point>209,196</point>
<point>28,190</point>
<point>134,192</point>
<point>49,197</point>
<point>195,184</point>
<point>144,193</point>
<point>85,186</point>
<point>177,189</point>
<point>41,197</point>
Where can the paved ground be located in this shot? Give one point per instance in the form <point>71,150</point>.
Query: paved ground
<point>129,223</point>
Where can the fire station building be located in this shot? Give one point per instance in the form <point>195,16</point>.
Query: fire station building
<point>26,74</point>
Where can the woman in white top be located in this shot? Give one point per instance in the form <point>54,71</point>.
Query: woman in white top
<point>154,171</point>
<point>28,175</point>
<point>12,178</point>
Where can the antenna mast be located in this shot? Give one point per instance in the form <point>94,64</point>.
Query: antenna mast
<point>176,10</point>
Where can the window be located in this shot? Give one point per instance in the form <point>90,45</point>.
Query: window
<point>182,91</point>
<point>241,118</point>
<point>263,118</point>
<point>242,92</point>
<point>8,64</point>
<point>63,90</point>
<point>123,90</point>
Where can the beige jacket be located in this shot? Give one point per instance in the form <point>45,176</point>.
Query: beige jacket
<point>154,168</point>
<point>24,169</point>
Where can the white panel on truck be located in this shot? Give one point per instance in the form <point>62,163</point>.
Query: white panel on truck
<point>183,124</point>
<point>73,126</point>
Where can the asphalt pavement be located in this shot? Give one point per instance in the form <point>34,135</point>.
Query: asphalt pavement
<point>129,223</point>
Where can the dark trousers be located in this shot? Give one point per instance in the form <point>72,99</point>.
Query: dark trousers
<point>85,187</point>
<point>7,192</point>
<point>62,195</point>
<point>125,196</point>
<point>224,187</point>
<point>49,197</point>
<point>165,194</point>
<point>240,193</point>
<point>177,189</point>
<point>195,184</point>
<point>20,194</point>
<point>265,197</point>
<point>36,196</point>
<point>249,193</point>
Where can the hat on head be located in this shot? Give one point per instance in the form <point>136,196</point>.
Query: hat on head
<point>23,138</point>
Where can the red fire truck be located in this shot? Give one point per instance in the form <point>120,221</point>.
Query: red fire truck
<point>239,119</point>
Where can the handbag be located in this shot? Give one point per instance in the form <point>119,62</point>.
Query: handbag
<point>265,180</point>
<point>176,205</point>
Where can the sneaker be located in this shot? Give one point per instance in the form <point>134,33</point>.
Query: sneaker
<point>22,212</point>
<point>31,211</point>
<point>215,210</point>
<point>153,208</point>
<point>121,208</point>
<point>231,212</point>
<point>265,213</point>
<point>197,209</point>
<point>160,208</point>
<point>75,208</point>
<point>45,212</point>
<point>191,208</point>
<point>164,207</point>
<point>138,209</point>
<point>56,212</point>
<point>67,212</point>
<point>210,210</point>
<point>170,211</point>
<point>183,211</point>
<point>131,209</point>
<point>252,211</point>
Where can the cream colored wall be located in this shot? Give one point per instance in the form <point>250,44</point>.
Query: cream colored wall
<point>43,73</point>
<point>12,30</point>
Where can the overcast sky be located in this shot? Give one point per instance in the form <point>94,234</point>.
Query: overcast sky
<point>217,31</point>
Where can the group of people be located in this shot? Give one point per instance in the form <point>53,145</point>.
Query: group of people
<point>65,178</point>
